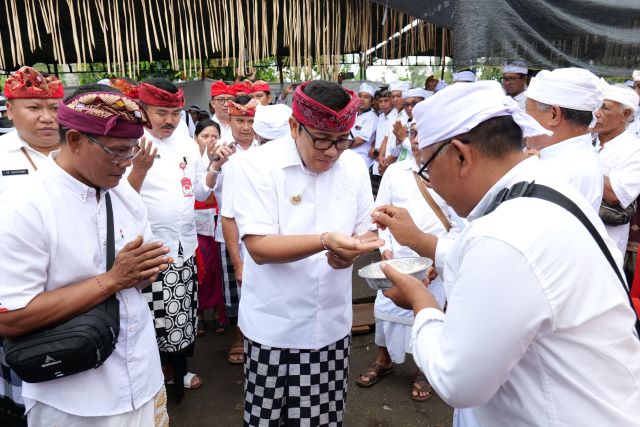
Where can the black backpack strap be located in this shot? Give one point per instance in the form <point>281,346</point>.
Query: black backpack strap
<point>531,189</point>
<point>111,245</point>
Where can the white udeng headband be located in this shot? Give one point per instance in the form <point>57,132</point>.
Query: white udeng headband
<point>460,108</point>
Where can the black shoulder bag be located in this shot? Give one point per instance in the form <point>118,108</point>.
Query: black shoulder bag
<point>531,189</point>
<point>76,345</point>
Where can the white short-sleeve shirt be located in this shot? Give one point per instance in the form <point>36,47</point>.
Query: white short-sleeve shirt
<point>576,161</point>
<point>15,166</point>
<point>620,160</point>
<point>365,128</point>
<point>304,304</point>
<point>54,235</point>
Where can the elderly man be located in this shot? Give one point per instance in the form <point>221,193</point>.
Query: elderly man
<point>620,158</point>
<point>520,314</point>
<point>298,202</point>
<point>221,94</point>
<point>365,126</point>
<point>169,174</point>
<point>32,104</point>
<point>563,101</point>
<point>56,265</point>
<point>514,80</point>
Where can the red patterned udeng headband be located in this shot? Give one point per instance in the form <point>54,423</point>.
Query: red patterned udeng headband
<point>315,115</point>
<point>29,83</point>
<point>152,95</point>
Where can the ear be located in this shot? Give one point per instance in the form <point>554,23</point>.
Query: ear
<point>74,140</point>
<point>10,107</point>
<point>627,113</point>
<point>556,116</point>
<point>466,157</point>
<point>295,127</point>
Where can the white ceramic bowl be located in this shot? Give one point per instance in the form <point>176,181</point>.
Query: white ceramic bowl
<point>415,266</point>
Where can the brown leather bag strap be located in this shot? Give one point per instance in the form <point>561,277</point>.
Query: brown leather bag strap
<point>432,203</point>
<point>26,154</point>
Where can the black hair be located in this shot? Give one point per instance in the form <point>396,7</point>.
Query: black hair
<point>163,84</point>
<point>383,93</point>
<point>242,99</point>
<point>329,94</point>
<point>203,124</point>
<point>576,118</point>
<point>88,88</point>
<point>496,137</point>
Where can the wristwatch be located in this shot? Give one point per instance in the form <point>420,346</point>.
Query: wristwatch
<point>214,171</point>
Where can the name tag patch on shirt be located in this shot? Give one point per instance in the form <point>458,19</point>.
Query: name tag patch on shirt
<point>11,172</point>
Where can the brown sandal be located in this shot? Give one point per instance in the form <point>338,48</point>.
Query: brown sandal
<point>373,374</point>
<point>234,352</point>
<point>421,385</point>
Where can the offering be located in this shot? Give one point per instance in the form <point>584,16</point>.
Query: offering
<point>415,266</point>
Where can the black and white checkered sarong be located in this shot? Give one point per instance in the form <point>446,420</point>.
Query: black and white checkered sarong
<point>295,387</point>
<point>231,288</point>
<point>11,402</point>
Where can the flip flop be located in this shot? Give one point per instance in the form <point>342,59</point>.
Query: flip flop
<point>378,372</point>
<point>421,385</point>
<point>188,381</point>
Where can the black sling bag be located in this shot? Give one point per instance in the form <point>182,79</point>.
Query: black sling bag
<point>531,189</point>
<point>76,345</point>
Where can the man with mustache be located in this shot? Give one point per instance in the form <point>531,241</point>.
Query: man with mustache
<point>169,174</point>
<point>32,104</point>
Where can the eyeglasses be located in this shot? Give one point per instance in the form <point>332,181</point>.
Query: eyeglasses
<point>323,144</point>
<point>412,133</point>
<point>511,79</point>
<point>411,104</point>
<point>424,170</point>
<point>220,100</point>
<point>116,157</point>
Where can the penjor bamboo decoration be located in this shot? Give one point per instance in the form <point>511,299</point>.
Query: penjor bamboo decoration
<point>188,33</point>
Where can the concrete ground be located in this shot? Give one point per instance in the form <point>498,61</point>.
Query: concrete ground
<point>219,402</point>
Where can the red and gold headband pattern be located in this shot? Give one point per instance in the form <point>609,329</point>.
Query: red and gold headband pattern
<point>242,110</point>
<point>315,115</point>
<point>104,113</point>
<point>29,83</point>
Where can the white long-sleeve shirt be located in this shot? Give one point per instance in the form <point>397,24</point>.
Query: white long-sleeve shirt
<point>171,212</point>
<point>538,331</point>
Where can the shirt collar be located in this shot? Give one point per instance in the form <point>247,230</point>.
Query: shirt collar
<point>523,171</point>
<point>562,147</point>
<point>78,189</point>
<point>13,142</point>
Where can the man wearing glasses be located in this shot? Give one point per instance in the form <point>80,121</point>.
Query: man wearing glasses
<point>514,80</point>
<point>302,206</point>
<point>54,232</point>
<point>523,340</point>
<point>221,94</point>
